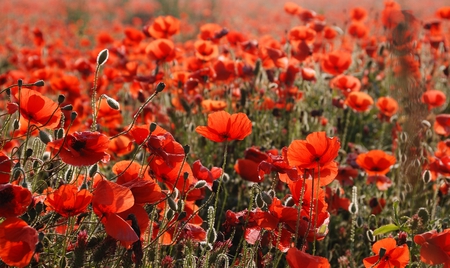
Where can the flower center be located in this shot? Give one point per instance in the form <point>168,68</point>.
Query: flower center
<point>6,196</point>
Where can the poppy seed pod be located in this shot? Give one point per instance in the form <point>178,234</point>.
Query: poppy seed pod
<point>61,98</point>
<point>102,57</point>
<point>160,87</point>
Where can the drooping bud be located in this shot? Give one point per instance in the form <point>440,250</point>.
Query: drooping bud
<point>73,115</point>
<point>44,137</point>
<point>61,98</point>
<point>93,170</point>
<point>102,57</point>
<point>112,103</point>
<point>39,83</point>
<point>160,87</point>
<point>200,184</point>
<point>152,127</point>
<point>68,107</point>
<point>172,204</point>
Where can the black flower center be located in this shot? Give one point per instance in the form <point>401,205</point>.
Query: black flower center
<point>6,196</point>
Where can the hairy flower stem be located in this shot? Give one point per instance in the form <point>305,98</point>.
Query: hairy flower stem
<point>225,153</point>
<point>299,208</point>
<point>311,207</point>
<point>316,208</point>
<point>94,99</point>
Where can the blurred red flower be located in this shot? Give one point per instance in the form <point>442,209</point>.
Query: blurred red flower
<point>164,27</point>
<point>375,162</point>
<point>359,101</point>
<point>433,98</point>
<point>5,168</point>
<point>442,124</point>
<point>17,242</point>
<point>81,148</point>
<point>336,62</point>
<point>161,50</point>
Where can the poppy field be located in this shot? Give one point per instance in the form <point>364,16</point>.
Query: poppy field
<point>175,133</point>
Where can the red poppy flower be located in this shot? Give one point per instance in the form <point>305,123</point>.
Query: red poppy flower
<point>225,127</point>
<point>316,150</point>
<point>433,98</point>
<point>68,200</point>
<point>381,181</point>
<point>302,33</point>
<point>359,101</point>
<point>17,242</point>
<point>299,259</point>
<point>108,200</point>
<point>336,62</point>
<point>37,108</point>
<point>164,27</point>
<point>434,247</point>
<point>387,106</point>
<point>394,256</point>
<point>81,148</point>
<point>358,29</point>
<point>202,173</point>
<point>145,190</point>
<point>5,168</point>
<point>292,8</point>
<point>161,50</point>
<point>442,124</point>
<point>212,32</point>
<point>206,50</point>
<point>358,13</point>
<point>14,200</point>
<point>375,162</point>
<point>346,83</point>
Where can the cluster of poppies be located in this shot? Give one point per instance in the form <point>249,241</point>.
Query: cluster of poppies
<point>104,136</point>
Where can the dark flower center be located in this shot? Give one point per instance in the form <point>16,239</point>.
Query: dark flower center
<point>77,144</point>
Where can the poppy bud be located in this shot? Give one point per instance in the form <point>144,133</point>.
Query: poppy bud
<point>8,92</point>
<point>172,204</point>
<point>152,127</point>
<point>16,124</point>
<point>215,186</point>
<point>17,171</point>
<point>28,153</point>
<point>160,87</point>
<point>181,216</point>
<point>44,137</point>
<point>423,214</point>
<point>371,237</point>
<point>19,83</point>
<point>93,170</point>
<point>112,103</point>
<point>259,201</point>
<point>381,253</point>
<point>426,123</point>
<point>169,214</point>
<point>61,98</point>
<point>180,204</point>
<point>266,198</point>
<point>68,175</point>
<point>185,175</point>
<point>426,176</point>
<point>39,83</point>
<point>289,202</point>
<point>187,149</point>
<point>60,133</point>
<point>68,107</point>
<point>46,155</point>
<point>403,137</point>
<point>73,115</point>
<point>200,184</point>
<point>102,57</point>
<point>211,235</point>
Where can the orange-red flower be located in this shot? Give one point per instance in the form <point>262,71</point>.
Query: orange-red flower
<point>37,108</point>
<point>336,62</point>
<point>161,50</point>
<point>375,162</point>
<point>346,83</point>
<point>81,148</point>
<point>14,200</point>
<point>433,98</point>
<point>164,27</point>
<point>387,106</point>
<point>299,259</point>
<point>68,200</point>
<point>302,33</point>
<point>316,150</point>
<point>359,101</point>
<point>435,247</point>
<point>17,242</point>
<point>358,13</point>
<point>225,127</point>
<point>206,50</point>
<point>5,168</point>
<point>444,12</point>
<point>394,256</point>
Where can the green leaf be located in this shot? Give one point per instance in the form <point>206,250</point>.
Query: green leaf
<point>385,229</point>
